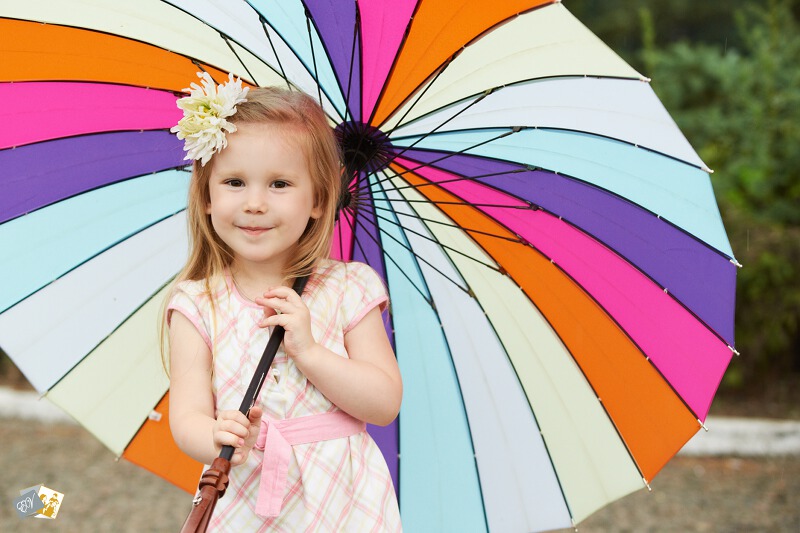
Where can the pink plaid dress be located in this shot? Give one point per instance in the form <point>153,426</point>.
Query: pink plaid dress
<point>341,484</point>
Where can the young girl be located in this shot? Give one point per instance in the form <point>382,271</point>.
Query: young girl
<point>261,212</point>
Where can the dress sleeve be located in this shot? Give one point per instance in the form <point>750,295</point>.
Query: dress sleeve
<point>189,305</point>
<point>364,290</point>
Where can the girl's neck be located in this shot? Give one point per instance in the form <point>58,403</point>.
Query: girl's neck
<point>252,283</point>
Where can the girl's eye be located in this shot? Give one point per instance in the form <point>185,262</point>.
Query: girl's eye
<point>280,184</point>
<point>234,182</point>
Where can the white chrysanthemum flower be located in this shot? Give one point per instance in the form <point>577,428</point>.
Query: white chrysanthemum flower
<point>203,125</point>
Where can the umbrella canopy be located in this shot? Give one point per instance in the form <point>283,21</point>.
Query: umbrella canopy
<point>562,285</point>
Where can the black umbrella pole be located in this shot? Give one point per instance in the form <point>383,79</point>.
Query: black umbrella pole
<point>215,480</point>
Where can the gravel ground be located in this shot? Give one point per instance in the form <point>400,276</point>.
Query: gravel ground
<point>101,494</point>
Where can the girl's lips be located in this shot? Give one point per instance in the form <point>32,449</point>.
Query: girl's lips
<point>253,230</point>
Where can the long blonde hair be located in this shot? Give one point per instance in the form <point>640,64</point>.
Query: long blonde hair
<point>309,128</point>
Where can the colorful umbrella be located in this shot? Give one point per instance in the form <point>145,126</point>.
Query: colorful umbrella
<point>562,286</point>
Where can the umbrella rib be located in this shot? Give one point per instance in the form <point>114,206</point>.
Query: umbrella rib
<point>456,179</point>
<point>356,28</point>
<point>309,21</point>
<point>435,241</point>
<point>399,268</point>
<point>233,50</point>
<point>463,151</point>
<point>357,242</point>
<point>443,246</point>
<point>416,255</point>
<point>313,55</point>
<point>274,51</point>
<point>97,253</point>
<point>529,205</point>
<point>431,132</point>
<point>389,74</point>
<point>439,70</point>
<point>228,41</point>
<point>341,238</point>
<point>416,100</point>
<point>448,225</point>
<point>445,338</point>
<point>440,202</point>
<point>442,107</point>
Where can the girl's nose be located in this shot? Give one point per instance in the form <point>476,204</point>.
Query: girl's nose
<point>256,201</point>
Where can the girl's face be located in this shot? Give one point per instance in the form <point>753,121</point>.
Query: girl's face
<point>261,195</point>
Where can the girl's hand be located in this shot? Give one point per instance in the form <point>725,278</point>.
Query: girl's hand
<point>232,428</point>
<point>293,315</point>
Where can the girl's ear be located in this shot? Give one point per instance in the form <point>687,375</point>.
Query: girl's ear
<point>316,212</point>
<point>208,208</point>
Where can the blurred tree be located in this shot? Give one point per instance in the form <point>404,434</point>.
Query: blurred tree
<point>616,22</point>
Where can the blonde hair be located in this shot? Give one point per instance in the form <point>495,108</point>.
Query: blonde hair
<point>308,127</point>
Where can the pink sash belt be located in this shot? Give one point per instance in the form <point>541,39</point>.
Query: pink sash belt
<point>277,438</point>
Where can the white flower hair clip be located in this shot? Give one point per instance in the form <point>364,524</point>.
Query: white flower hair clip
<point>203,125</point>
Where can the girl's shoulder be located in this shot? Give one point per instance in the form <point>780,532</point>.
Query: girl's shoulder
<point>200,289</point>
<point>347,282</point>
<point>340,273</point>
<point>190,287</point>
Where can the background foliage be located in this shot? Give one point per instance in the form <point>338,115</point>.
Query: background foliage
<point>728,73</point>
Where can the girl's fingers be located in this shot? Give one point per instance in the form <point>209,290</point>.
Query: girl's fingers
<point>271,305</point>
<point>255,415</point>
<point>243,446</point>
<point>280,292</point>
<point>228,439</point>
<point>237,427</point>
<point>280,305</point>
<point>280,297</point>
<point>275,320</point>
<point>235,416</point>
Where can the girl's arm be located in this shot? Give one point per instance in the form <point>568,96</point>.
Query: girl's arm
<point>191,405</point>
<point>367,385</point>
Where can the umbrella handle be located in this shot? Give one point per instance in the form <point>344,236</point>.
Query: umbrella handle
<point>215,480</point>
<point>212,487</point>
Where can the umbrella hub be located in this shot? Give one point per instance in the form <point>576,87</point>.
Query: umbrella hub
<point>365,148</point>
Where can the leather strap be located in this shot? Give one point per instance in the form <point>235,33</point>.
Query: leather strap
<point>213,484</point>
